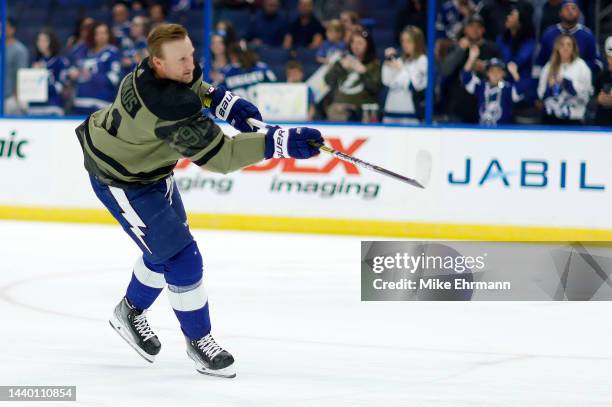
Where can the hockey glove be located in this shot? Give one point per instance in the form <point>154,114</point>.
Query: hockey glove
<point>295,142</point>
<point>232,108</point>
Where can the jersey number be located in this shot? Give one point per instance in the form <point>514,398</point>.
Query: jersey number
<point>115,122</point>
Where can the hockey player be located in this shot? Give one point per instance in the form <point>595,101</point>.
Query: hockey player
<point>130,150</point>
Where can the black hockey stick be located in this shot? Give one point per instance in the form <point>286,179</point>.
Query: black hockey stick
<point>345,157</point>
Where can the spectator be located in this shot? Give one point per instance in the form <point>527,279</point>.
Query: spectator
<point>121,23</point>
<point>305,31</point>
<point>587,45</point>
<point>452,17</point>
<point>603,90</point>
<point>355,79</point>
<point>97,76</point>
<point>406,78</point>
<point>139,30</point>
<point>220,59</point>
<point>457,103</point>
<point>565,83</point>
<point>334,42</point>
<point>226,29</point>
<point>17,57</point>
<point>138,8</point>
<point>517,44</point>
<point>245,71</point>
<point>495,96</point>
<point>269,26</point>
<point>494,13</point>
<point>46,56</point>
<point>157,14</point>
<point>137,50</point>
<point>77,43</point>
<point>350,21</point>
<point>414,13</point>
<point>295,74</point>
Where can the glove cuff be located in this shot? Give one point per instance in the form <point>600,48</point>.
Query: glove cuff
<point>222,105</point>
<point>277,143</point>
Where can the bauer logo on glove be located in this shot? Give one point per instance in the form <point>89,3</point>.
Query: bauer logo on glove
<point>226,104</point>
<point>295,142</point>
<point>232,108</point>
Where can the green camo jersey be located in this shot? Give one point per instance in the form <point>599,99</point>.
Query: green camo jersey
<point>154,122</point>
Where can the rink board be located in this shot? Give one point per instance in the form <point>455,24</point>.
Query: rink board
<point>484,184</point>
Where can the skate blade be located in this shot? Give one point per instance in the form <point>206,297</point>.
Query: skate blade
<point>210,373</point>
<point>227,372</point>
<point>116,325</point>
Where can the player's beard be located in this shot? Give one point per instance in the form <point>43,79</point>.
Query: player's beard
<point>572,21</point>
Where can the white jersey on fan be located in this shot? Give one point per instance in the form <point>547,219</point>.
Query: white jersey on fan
<point>399,104</point>
<point>570,101</point>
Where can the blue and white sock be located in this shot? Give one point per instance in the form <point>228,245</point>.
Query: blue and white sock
<point>146,284</point>
<point>190,304</point>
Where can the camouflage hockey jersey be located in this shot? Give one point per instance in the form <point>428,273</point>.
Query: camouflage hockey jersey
<point>151,124</point>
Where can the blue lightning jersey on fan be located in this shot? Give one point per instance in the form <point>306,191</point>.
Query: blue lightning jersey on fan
<point>100,89</point>
<point>240,80</point>
<point>449,21</point>
<point>122,34</point>
<point>54,105</point>
<point>136,52</point>
<point>495,103</point>
<point>77,53</point>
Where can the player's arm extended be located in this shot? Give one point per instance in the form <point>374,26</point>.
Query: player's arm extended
<point>203,142</point>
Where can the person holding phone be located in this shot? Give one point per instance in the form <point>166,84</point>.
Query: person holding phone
<point>406,77</point>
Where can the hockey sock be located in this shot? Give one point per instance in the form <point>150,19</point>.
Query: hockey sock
<point>187,293</point>
<point>146,284</point>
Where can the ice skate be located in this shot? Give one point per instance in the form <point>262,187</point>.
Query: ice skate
<point>210,358</point>
<point>131,324</point>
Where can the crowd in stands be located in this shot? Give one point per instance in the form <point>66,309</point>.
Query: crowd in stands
<point>495,61</point>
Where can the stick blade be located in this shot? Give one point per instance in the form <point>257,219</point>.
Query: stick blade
<point>423,167</point>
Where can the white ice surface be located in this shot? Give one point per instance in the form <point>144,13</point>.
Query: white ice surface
<point>288,307</point>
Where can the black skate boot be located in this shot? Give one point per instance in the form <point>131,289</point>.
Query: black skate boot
<point>210,358</point>
<point>132,325</point>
